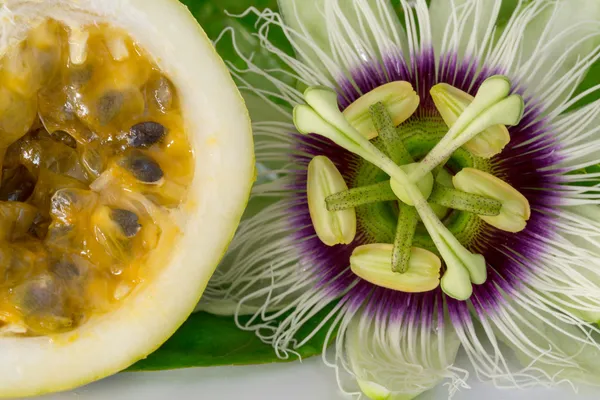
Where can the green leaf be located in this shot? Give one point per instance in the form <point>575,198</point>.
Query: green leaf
<point>212,16</point>
<point>592,78</point>
<point>209,340</point>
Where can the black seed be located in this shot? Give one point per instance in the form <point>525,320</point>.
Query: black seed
<point>17,185</point>
<point>65,270</point>
<point>144,168</point>
<point>127,220</point>
<point>64,138</point>
<point>145,134</point>
<point>43,295</point>
<point>43,303</point>
<point>68,111</point>
<point>108,106</point>
<point>39,227</point>
<point>80,75</point>
<point>61,237</point>
<point>38,134</point>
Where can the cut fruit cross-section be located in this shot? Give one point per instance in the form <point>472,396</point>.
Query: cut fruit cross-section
<point>126,161</point>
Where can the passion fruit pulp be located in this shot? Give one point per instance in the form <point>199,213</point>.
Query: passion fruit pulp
<point>106,152</point>
<point>127,161</point>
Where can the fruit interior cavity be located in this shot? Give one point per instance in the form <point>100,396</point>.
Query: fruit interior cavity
<point>94,153</point>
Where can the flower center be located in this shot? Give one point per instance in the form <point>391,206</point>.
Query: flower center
<point>412,175</point>
<point>378,218</point>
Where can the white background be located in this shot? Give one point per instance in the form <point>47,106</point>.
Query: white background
<point>309,380</point>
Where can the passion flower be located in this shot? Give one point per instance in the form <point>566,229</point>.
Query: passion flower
<point>126,160</point>
<point>474,204</point>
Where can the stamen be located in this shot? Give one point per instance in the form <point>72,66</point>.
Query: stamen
<point>463,201</point>
<point>515,210</point>
<point>332,227</point>
<point>386,128</point>
<point>359,196</point>
<point>405,231</point>
<point>451,103</point>
<point>492,106</point>
<point>372,262</point>
<point>398,98</point>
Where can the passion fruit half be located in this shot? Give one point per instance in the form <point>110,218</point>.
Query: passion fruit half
<point>127,161</point>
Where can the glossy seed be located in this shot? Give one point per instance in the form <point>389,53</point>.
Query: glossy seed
<point>60,236</point>
<point>80,75</point>
<point>43,303</point>
<point>108,106</point>
<point>65,270</point>
<point>144,168</point>
<point>17,185</point>
<point>39,226</point>
<point>163,94</point>
<point>42,295</point>
<point>93,161</point>
<point>64,138</point>
<point>127,220</point>
<point>145,134</point>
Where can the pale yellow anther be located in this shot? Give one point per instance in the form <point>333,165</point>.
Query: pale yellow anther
<point>515,211</point>
<point>332,227</point>
<point>78,45</point>
<point>373,263</point>
<point>399,99</point>
<point>451,102</point>
<point>425,185</point>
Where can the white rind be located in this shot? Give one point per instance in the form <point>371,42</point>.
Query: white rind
<point>220,128</point>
